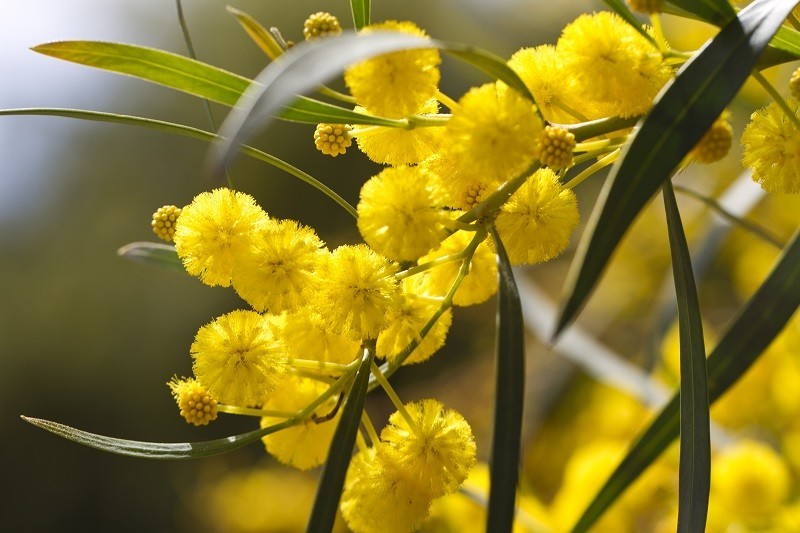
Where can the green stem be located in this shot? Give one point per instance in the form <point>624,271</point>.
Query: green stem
<point>336,95</point>
<point>249,411</point>
<point>498,197</point>
<point>390,392</point>
<point>601,163</point>
<point>568,110</point>
<point>791,115</point>
<point>426,121</point>
<point>447,101</point>
<point>450,258</point>
<point>597,145</point>
<point>602,126</point>
<point>311,364</point>
<point>369,428</point>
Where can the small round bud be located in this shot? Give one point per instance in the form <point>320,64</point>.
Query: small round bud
<point>716,143</point>
<point>163,222</point>
<point>197,405</point>
<point>473,195</point>
<point>794,84</point>
<point>646,6</point>
<point>321,24</point>
<point>332,139</point>
<point>555,147</point>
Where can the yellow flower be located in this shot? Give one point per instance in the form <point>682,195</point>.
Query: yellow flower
<point>613,65</point>
<point>406,322</point>
<point>332,139</point>
<point>538,220</point>
<point>398,84</point>
<point>163,222</point>
<point>356,291</point>
<point>306,337</point>
<point>493,133</point>
<point>771,144</point>
<point>716,142</point>
<point>478,285</point>
<point>400,214</point>
<point>459,187</point>
<point>305,445</point>
<point>437,453</point>
<point>399,146</point>
<point>197,405</point>
<point>214,231</point>
<point>238,357</point>
<point>280,269</point>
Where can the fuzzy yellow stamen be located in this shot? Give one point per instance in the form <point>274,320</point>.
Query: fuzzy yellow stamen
<point>332,139</point>
<point>163,222</point>
<point>555,147</point>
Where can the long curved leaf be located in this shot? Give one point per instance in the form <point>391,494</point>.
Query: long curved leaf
<point>258,33</point>
<point>746,337</point>
<point>329,490</point>
<point>622,9</point>
<point>683,111</point>
<point>152,253</point>
<point>509,397</point>
<point>717,12</point>
<point>694,479</point>
<point>360,10</point>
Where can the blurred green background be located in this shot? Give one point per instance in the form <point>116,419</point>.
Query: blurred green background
<point>88,339</point>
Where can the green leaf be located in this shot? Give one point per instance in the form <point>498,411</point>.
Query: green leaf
<point>152,253</point>
<point>493,65</point>
<point>360,10</point>
<point>621,9</point>
<point>153,450</point>
<point>746,337</point>
<point>694,477</point>
<point>258,33</point>
<point>683,111</point>
<point>309,111</point>
<point>786,40</point>
<point>329,490</point>
<point>509,397</point>
<point>717,12</point>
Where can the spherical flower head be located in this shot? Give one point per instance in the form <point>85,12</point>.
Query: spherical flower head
<point>398,84</point>
<point>750,480</point>
<point>214,232</point>
<point>536,223</point>
<point>646,6</point>
<point>400,214</point>
<point>380,498</point>
<point>493,133</point>
<point>715,143</point>
<point>197,405</point>
<point>332,139</point>
<point>321,24</point>
<point>477,286</point>
<point>771,143</point>
<point>163,222</point>
<point>555,147</point>
<point>306,337</point>
<point>357,289</point>
<point>306,444</point>
<point>794,84</point>
<point>239,358</point>
<point>399,146</point>
<point>437,451</point>
<point>281,267</point>
<point>407,321</point>
<point>612,64</point>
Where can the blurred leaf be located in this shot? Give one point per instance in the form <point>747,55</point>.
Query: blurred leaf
<point>153,450</point>
<point>329,490</point>
<point>694,479</point>
<point>621,9</point>
<point>683,111</point>
<point>260,35</point>
<point>152,253</point>
<point>360,10</point>
<point>746,337</point>
<point>509,397</point>
<point>717,12</point>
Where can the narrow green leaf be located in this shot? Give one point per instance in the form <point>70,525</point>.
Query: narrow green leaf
<point>621,9</point>
<point>717,12</point>
<point>683,111</point>
<point>309,111</point>
<point>694,476</point>
<point>786,40</point>
<point>258,33</point>
<point>509,397</point>
<point>360,10</point>
<point>152,253</point>
<point>153,450</point>
<point>329,490</point>
<point>746,337</point>
<point>493,65</point>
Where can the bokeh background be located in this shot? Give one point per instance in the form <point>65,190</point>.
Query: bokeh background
<point>89,339</point>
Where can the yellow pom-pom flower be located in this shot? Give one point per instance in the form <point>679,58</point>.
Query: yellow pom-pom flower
<point>478,285</point>
<point>538,220</point>
<point>380,498</point>
<point>400,214</point>
<point>493,133</point>
<point>715,143</point>
<point>399,146</point>
<point>163,222</point>
<point>214,232</point>
<point>356,291</point>
<point>612,64</point>
<point>239,358</point>
<point>306,337</point>
<point>437,453</point>
<point>398,84</point>
<point>332,139</point>
<point>406,322</point>
<point>321,24</point>
<point>280,269</point>
<point>771,144</point>
<point>304,445</point>
<point>646,6</point>
<point>196,403</point>
<point>459,187</point>
<point>555,147</point>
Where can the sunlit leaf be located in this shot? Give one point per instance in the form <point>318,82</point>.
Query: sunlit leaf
<point>153,254</point>
<point>260,35</point>
<point>360,10</point>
